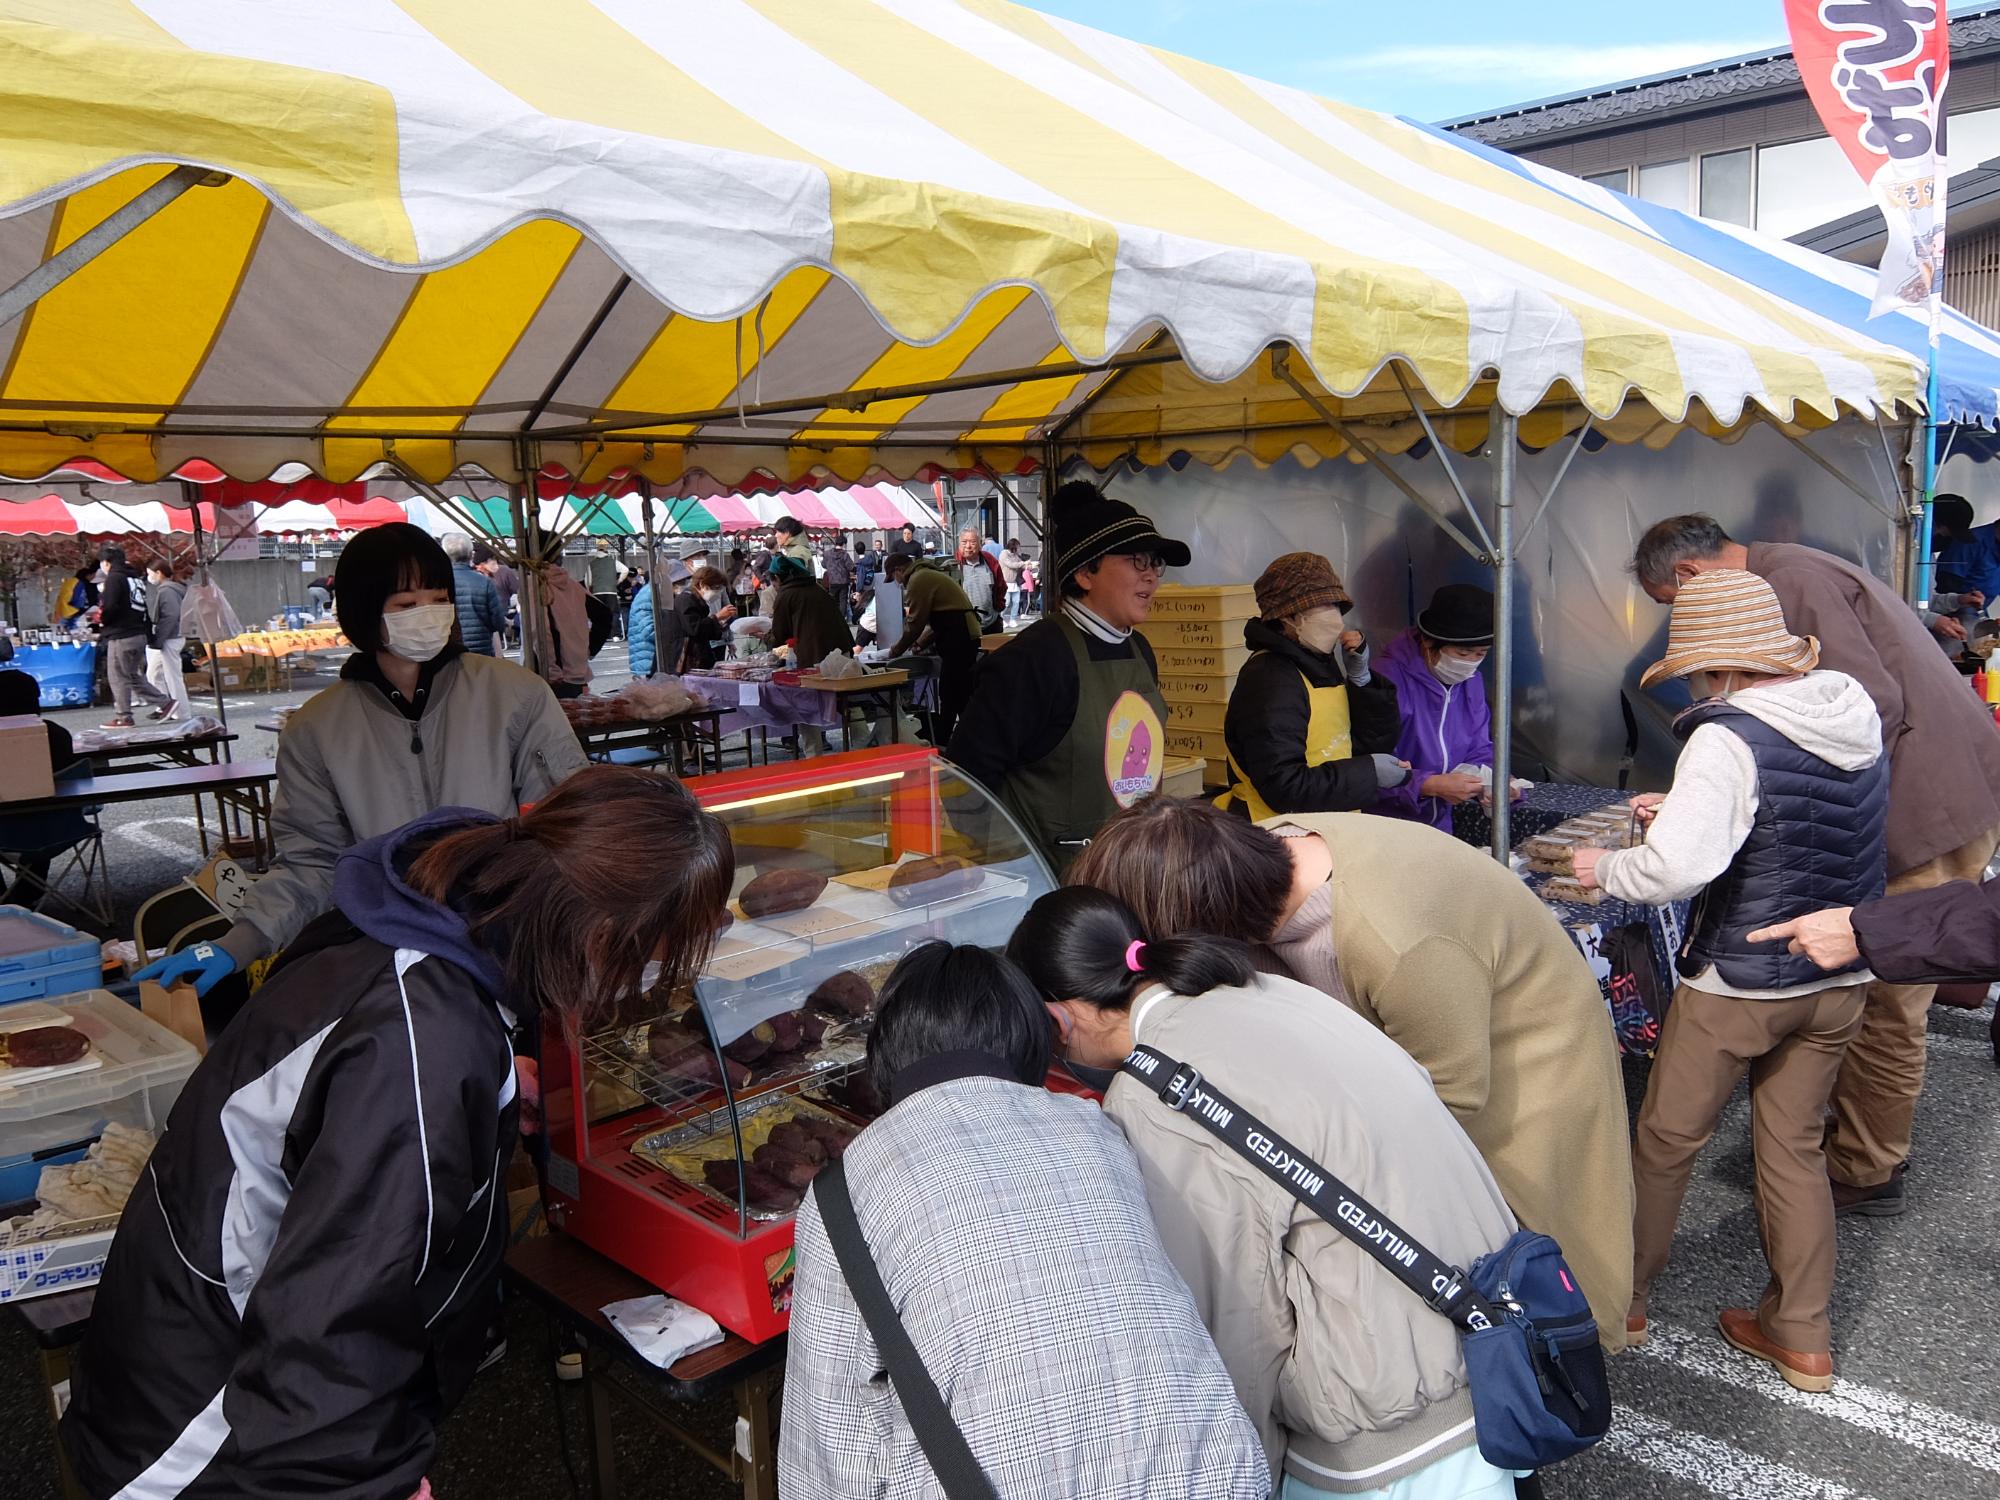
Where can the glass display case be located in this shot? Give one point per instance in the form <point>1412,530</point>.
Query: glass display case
<point>682,1139</point>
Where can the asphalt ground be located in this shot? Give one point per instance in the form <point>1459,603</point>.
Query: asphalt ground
<point>1913,1413</point>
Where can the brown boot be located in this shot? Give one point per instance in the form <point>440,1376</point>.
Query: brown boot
<point>1883,1201</point>
<point>1803,1372</point>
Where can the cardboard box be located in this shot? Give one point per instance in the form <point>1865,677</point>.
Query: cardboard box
<point>25,768</point>
<point>1218,774</point>
<point>1216,602</point>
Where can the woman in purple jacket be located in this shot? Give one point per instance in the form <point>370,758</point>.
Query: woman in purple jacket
<point>1446,724</point>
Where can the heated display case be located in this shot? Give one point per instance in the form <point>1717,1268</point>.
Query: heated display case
<point>681,1142</point>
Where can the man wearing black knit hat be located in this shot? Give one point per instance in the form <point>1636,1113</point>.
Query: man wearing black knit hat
<point>1066,723</point>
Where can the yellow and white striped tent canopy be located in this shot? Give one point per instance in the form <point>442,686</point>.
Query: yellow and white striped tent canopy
<point>809,239</point>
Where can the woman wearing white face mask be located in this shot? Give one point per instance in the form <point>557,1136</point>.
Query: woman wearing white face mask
<point>1309,726</point>
<point>414,724</point>
<point>1446,723</point>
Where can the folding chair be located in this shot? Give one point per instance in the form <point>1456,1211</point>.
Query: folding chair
<point>159,924</point>
<point>32,843</point>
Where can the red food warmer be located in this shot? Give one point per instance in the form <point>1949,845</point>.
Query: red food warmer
<point>680,1142</point>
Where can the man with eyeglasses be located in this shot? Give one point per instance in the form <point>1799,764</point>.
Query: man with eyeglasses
<point>1066,723</point>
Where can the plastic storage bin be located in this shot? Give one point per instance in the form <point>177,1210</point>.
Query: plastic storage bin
<point>40,956</point>
<point>141,1068</point>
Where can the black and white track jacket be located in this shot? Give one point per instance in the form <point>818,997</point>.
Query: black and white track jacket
<point>303,1278</point>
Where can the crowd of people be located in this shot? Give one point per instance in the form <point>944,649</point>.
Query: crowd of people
<point>1147,1313</point>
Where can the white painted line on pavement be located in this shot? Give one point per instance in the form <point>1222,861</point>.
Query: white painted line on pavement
<point>1712,1464</point>
<point>180,848</point>
<point>1916,1423</point>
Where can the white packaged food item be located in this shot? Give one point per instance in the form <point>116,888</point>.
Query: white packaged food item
<point>663,1329</point>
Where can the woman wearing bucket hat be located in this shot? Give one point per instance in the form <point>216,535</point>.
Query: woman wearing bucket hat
<point>1066,723</point>
<point>1309,727</point>
<point>1779,805</point>
<point>1446,723</point>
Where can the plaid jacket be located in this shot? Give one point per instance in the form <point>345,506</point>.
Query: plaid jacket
<point>1011,1229</point>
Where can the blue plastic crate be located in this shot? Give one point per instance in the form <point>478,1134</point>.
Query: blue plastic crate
<point>40,956</point>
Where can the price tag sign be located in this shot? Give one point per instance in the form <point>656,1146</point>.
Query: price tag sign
<point>753,695</point>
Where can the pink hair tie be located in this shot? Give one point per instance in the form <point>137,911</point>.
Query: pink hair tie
<point>1132,957</point>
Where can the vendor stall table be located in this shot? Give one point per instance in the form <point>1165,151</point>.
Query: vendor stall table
<point>1595,928</point>
<point>136,750</point>
<point>858,699</point>
<point>265,656</point>
<point>242,790</point>
<point>693,733</point>
<point>573,1283</point>
<point>57,1323</point>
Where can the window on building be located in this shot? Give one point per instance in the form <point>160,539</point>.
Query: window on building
<point>1725,188</point>
<point>1803,184</point>
<point>1667,183</point>
<point>1619,181</point>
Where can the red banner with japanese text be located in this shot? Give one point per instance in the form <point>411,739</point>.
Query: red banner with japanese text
<point>1876,72</point>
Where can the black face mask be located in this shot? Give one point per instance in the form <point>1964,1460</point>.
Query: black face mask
<point>1097,1080</point>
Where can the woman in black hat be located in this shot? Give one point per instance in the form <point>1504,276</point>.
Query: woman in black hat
<point>1446,723</point>
<point>1066,723</point>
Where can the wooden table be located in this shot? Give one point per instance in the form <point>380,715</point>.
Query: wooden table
<point>57,1323</point>
<point>243,786</point>
<point>697,730</point>
<point>861,696</point>
<point>572,1283</point>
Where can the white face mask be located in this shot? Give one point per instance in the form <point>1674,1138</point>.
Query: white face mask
<point>419,634</point>
<point>1320,629</point>
<point>1452,670</point>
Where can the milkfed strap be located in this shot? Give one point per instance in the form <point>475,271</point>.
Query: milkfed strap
<point>1442,1286</point>
<point>951,1459</point>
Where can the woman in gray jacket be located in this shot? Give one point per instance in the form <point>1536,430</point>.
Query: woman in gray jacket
<point>1009,1225</point>
<point>414,724</point>
<point>1357,1386</point>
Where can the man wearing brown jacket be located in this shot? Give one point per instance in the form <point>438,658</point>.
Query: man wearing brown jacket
<point>1944,805</point>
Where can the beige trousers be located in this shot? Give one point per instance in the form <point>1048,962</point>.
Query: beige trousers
<point>1875,1100</point>
<point>1792,1049</point>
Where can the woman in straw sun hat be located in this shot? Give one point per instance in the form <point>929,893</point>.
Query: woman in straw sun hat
<point>1778,806</point>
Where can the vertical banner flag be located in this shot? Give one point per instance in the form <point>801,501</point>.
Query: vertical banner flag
<point>1876,71</point>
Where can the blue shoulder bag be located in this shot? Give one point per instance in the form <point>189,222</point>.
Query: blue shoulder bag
<point>1539,1392</point>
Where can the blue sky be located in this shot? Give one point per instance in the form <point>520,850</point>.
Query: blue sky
<point>1435,59</point>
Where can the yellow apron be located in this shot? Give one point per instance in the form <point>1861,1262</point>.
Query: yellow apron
<point>1329,737</point>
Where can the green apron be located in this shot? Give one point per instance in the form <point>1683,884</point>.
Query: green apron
<point>1110,758</point>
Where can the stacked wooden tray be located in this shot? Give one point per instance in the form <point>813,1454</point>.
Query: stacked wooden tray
<point>1196,632</point>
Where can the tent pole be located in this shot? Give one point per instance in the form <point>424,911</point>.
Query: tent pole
<point>654,580</point>
<point>86,247</point>
<point>1503,638</point>
<point>193,493</point>
<point>1910,533</point>
<point>527,542</point>
<point>1443,455</point>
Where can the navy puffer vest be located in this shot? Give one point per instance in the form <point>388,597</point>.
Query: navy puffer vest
<point>1816,842</point>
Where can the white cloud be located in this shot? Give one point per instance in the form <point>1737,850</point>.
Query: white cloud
<point>1528,68</point>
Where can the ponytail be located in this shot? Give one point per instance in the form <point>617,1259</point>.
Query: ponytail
<point>1084,944</point>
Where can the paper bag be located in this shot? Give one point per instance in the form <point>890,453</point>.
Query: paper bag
<point>177,1009</point>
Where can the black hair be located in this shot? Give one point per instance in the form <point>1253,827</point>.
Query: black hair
<point>19,694</point>
<point>381,561</point>
<point>909,526</point>
<point>112,554</point>
<point>897,562</point>
<point>1676,540</point>
<point>789,526</point>
<point>860,549</point>
<point>942,999</point>
<point>1953,512</point>
<point>481,554</point>
<point>1074,943</point>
